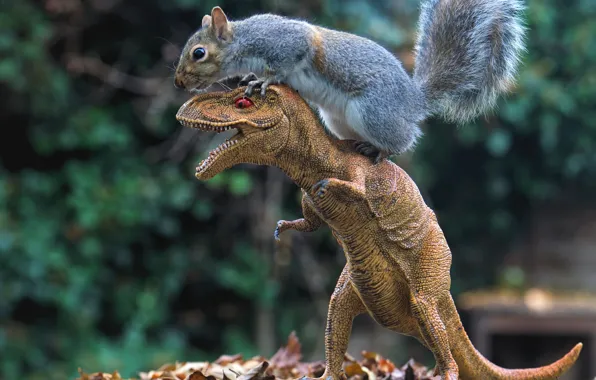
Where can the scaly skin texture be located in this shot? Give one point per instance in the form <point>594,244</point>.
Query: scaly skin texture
<point>397,258</point>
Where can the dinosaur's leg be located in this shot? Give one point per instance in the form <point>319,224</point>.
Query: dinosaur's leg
<point>309,223</point>
<point>434,333</point>
<point>344,306</point>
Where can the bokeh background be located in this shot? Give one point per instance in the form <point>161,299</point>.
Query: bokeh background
<point>113,256</point>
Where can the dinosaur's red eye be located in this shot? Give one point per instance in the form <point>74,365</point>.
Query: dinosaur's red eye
<point>243,103</point>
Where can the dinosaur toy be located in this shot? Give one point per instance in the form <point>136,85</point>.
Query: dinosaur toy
<point>397,258</point>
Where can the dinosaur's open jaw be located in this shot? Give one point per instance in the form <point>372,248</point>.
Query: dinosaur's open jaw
<point>253,119</point>
<point>245,131</point>
<point>241,130</point>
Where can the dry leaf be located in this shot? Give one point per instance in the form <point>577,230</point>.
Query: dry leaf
<point>386,365</point>
<point>353,369</point>
<point>369,355</point>
<point>189,367</point>
<point>284,365</point>
<point>257,373</point>
<point>198,375</point>
<point>288,356</point>
<point>227,359</point>
<point>369,374</point>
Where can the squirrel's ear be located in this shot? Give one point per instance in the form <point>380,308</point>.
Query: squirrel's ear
<point>220,24</point>
<point>206,21</point>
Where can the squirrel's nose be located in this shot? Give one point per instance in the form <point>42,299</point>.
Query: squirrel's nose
<point>178,83</point>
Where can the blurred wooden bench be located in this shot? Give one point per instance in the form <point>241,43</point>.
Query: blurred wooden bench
<point>559,321</point>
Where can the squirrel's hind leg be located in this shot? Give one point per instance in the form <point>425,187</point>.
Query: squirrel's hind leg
<point>369,150</point>
<point>388,124</point>
<point>341,129</point>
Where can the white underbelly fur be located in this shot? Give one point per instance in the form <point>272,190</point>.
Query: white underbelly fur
<point>334,106</point>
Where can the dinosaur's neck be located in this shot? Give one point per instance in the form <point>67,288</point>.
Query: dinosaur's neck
<point>309,159</point>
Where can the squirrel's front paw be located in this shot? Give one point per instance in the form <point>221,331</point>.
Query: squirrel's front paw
<point>320,188</point>
<point>261,83</point>
<point>245,80</point>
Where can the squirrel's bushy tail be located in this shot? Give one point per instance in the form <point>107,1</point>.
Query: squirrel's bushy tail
<point>467,54</point>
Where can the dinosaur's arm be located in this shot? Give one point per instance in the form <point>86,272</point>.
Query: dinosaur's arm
<point>310,222</point>
<point>339,188</point>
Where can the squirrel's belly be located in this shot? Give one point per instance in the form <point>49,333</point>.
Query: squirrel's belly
<point>317,89</point>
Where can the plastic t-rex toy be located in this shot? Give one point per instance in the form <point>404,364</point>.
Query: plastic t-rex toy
<point>398,260</point>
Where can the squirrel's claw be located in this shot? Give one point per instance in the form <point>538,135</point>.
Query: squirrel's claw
<point>369,150</point>
<point>261,83</point>
<point>251,85</point>
<point>247,79</point>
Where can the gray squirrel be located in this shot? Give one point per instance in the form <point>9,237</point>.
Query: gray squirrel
<point>467,54</point>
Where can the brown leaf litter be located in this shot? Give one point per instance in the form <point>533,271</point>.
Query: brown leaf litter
<point>285,364</point>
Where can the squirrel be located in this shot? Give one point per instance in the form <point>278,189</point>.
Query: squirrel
<point>467,53</point>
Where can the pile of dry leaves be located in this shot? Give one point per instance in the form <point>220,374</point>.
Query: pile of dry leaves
<point>285,364</point>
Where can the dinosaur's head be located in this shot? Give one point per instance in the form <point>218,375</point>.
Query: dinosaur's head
<point>261,126</point>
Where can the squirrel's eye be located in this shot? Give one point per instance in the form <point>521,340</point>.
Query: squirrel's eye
<point>198,53</point>
<point>243,103</point>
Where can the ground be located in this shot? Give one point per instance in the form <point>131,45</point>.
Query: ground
<point>285,364</point>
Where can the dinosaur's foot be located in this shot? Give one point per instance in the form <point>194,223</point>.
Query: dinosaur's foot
<point>449,375</point>
<point>324,377</point>
<point>369,150</point>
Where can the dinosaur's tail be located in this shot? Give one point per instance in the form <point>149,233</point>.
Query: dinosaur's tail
<point>472,365</point>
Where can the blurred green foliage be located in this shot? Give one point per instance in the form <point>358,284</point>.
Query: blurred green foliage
<point>114,259</point>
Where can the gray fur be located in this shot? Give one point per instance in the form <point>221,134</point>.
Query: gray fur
<point>467,54</point>
<point>363,92</point>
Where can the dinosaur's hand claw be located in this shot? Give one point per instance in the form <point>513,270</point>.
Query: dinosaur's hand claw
<point>320,188</point>
<point>278,229</point>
